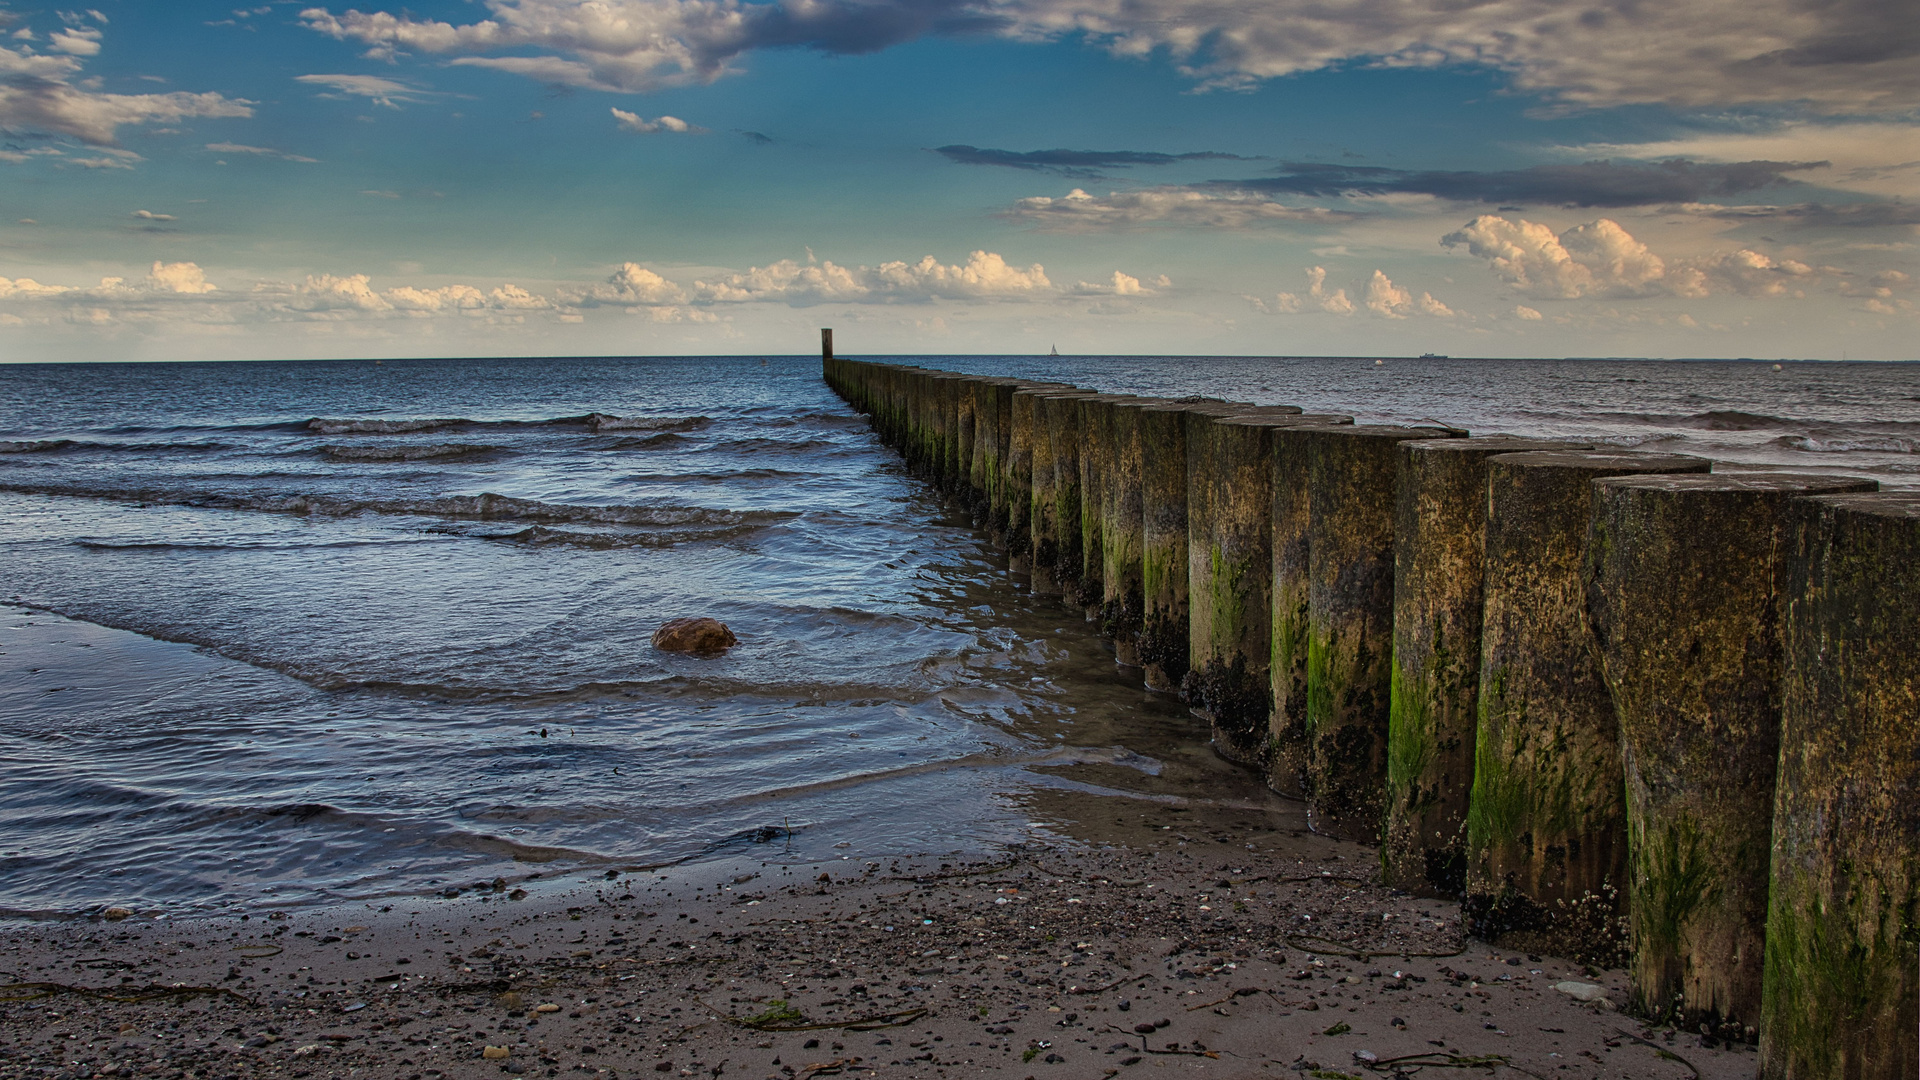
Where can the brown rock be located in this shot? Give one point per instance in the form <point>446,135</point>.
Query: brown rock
<point>700,635</point>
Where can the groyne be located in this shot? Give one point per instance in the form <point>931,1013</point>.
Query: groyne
<point>1624,707</point>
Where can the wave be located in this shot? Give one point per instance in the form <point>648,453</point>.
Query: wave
<point>651,442</point>
<point>406,453</point>
<point>779,446</point>
<point>542,536</point>
<point>483,507</point>
<point>49,446</point>
<point>595,422</point>
<point>1851,444</point>
<point>603,422</point>
<point>264,545</point>
<point>381,427</point>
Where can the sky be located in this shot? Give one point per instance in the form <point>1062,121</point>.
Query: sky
<point>1688,178</point>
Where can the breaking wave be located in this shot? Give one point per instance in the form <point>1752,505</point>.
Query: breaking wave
<point>1852,444</point>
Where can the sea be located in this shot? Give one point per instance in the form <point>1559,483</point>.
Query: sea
<point>281,634</point>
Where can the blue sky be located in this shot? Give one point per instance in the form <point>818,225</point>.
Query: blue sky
<point>1506,178</point>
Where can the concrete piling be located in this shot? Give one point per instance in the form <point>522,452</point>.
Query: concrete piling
<point>1627,701</point>
<point>1840,990</point>
<point>1683,576</point>
<point>1440,518</point>
<point>1546,820</point>
<point>1351,476</point>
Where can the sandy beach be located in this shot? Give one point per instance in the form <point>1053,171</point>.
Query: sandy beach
<point>1148,938</point>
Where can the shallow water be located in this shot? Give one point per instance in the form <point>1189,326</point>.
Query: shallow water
<point>298,632</point>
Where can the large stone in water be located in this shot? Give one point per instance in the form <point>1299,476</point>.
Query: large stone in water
<point>694,635</point>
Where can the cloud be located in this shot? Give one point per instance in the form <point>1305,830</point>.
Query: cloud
<point>148,215</point>
<point>380,91</point>
<point>632,285</point>
<point>1333,303</point>
<point>78,40</point>
<point>1861,215</point>
<point>1602,259</point>
<point>1086,163</point>
<point>640,125</point>
<point>184,278</point>
<point>1591,183</point>
<point>630,45</point>
<point>1522,311</point>
<point>259,151</point>
<point>1869,158</point>
<point>1177,206</point>
<point>1845,57</point>
<point>984,276</point>
<point>1122,284</point>
<point>38,96</point>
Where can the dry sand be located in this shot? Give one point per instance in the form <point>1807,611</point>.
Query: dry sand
<point>1169,938</point>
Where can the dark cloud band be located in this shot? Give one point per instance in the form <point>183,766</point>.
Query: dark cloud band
<point>1592,183</point>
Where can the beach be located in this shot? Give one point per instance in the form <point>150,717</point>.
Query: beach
<point>1180,939</point>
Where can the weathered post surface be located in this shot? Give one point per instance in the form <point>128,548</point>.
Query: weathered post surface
<point>1683,576</point>
<point>1123,528</point>
<point>1289,755</point>
<point>1163,544</point>
<point>1546,825</point>
<point>1096,470</point>
<point>960,456</point>
<point>826,345</point>
<point>1019,478</point>
<point>1841,990</point>
<point>1056,491</point>
<point>1230,574</point>
<point>1440,518</point>
<point>1351,473</point>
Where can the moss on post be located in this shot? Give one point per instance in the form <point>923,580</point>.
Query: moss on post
<point>1546,824</point>
<point>1683,576</point>
<point>1123,529</point>
<point>1230,575</point>
<point>1351,473</point>
<point>1843,920</point>
<point>1440,516</point>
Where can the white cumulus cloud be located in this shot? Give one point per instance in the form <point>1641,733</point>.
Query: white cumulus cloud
<point>984,276</point>
<point>1601,259</point>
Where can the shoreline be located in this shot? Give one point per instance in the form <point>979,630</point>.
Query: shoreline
<point>1044,962</point>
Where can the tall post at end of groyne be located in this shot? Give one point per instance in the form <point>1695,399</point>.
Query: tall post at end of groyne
<point>826,345</point>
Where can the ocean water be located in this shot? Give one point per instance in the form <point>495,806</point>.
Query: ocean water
<point>286,633</point>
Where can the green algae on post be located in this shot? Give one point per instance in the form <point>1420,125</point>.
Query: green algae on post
<point>1546,823</point>
<point>1350,521</point>
<point>1683,576</point>
<point>1440,517</point>
<point>1163,654</point>
<point>1843,917</point>
<point>1230,573</point>
<point>1123,530</point>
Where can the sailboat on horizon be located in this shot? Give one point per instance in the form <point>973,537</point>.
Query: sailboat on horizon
<point>1055,351</point>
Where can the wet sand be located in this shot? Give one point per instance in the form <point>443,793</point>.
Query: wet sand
<point>1140,938</point>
